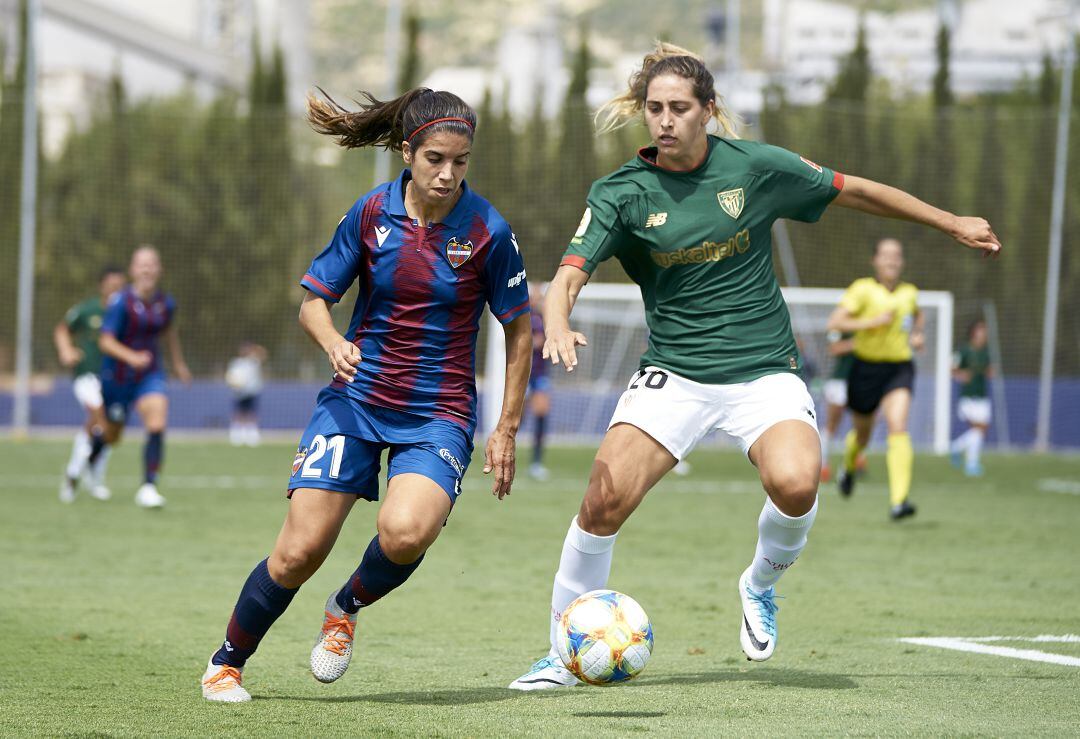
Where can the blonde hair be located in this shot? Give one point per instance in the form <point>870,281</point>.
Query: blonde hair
<point>665,58</point>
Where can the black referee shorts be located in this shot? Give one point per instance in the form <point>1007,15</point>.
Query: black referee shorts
<point>869,382</point>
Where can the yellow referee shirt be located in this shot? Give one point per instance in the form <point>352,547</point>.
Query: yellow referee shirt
<point>868,298</point>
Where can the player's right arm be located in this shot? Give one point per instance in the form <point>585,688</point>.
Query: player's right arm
<point>599,236</point>
<point>560,341</point>
<point>329,277</point>
<point>845,317</point>
<point>112,325</point>
<point>65,347</point>
<point>838,345</point>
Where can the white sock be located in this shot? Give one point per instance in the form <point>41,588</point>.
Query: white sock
<point>102,462</point>
<point>80,451</point>
<point>974,447</point>
<point>584,566</point>
<point>962,442</point>
<point>826,441</point>
<point>781,539</point>
<point>236,434</point>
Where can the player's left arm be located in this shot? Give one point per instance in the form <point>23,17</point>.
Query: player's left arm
<point>878,199</point>
<point>176,354</point>
<point>499,454</point>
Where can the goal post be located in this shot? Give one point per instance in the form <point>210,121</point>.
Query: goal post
<point>612,317</point>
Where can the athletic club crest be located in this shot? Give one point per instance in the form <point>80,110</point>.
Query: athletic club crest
<point>732,201</point>
<point>298,460</point>
<point>457,252</point>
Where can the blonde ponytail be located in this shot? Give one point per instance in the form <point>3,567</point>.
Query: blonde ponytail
<point>665,58</point>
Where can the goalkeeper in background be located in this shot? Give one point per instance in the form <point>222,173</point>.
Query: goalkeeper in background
<point>883,314</point>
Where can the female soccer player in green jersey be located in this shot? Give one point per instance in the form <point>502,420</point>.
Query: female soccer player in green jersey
<point>689,219</point>
<point>972,367</point>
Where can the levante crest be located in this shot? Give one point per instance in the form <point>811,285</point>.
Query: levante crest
<point>457,252</point>
<point>732,201</point>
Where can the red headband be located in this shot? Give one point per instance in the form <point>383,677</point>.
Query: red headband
<point>438,120</point>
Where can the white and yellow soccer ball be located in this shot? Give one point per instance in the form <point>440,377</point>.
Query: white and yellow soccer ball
<point>605,638</point>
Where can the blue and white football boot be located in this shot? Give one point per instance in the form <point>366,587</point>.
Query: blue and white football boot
<point>757,632</point>
<point>546,673</point>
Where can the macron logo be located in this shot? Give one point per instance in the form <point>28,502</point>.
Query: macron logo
<point>381,232</point>
<point>516,279</point>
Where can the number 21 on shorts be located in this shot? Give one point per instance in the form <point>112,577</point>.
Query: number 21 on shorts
<point>319,446</point>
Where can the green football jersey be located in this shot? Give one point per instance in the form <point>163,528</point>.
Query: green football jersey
<point>84,322</point>
<point>699,245</point>
<point>976,361</point>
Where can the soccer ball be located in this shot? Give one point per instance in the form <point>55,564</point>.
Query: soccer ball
<point>605,638</point>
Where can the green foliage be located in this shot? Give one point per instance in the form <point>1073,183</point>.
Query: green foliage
<point>409,75</point>
<point>943,95</point>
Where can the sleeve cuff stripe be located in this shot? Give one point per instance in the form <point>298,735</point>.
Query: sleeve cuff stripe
<point>309,281</point>
<point>503,316</point>
<point>838,181</point>
<point>574,261</point>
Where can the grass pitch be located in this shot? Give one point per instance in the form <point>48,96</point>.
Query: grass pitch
<point>108,613</point>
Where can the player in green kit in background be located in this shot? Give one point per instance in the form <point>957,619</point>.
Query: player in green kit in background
<point>76,340</point>
<point>835,392</point>
<point>689,220</point>
<point>972,367</point>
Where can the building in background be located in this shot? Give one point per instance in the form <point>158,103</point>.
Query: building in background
<point>156,47</point>
<point>995,43</point>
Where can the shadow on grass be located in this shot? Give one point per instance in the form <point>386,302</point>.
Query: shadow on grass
<point>468,696</point>
<point>460,697</point>
<point>620,714</point>
<point>777,677</point>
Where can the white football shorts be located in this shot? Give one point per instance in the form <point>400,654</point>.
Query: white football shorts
<point>835,392</point>
<point>87,389</point>
<point>974,410</point>
<point>678,412</point>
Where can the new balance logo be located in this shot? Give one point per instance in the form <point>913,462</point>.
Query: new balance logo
<point>655,219</point>
<point>381,232</point>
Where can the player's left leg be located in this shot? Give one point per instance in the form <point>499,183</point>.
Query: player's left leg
<point>773,418</point>
<point>153,409</point>
<point>899,456</point>
<point>424,481</point>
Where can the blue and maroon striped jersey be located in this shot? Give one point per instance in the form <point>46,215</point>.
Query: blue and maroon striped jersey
<point>136,323</point>
<point>422,292</point>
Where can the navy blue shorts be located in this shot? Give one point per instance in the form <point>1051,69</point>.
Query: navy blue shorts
<point>118,396</point>
<point>246,404</point>
<point>342,446</point>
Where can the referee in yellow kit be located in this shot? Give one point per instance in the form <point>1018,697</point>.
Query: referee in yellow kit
<point>883,313</point>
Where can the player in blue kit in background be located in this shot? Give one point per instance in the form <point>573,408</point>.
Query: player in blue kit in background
<point>539,386</point>
<point>132,373</point>
<point>429,254</point>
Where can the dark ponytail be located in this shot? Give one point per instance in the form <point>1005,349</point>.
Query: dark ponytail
<point>412,117</point>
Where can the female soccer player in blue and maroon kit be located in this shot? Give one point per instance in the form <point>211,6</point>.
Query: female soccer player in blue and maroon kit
<point>428,253</point>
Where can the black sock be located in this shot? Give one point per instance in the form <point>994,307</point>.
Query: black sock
<point>375,577</point>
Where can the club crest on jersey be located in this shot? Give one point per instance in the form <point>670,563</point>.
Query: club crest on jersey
<point>458,253</point>
<point>732,201</point>
<point>298,460</point>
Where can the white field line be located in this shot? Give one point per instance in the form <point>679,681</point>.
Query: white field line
<point>1063,639</point>
<point>1057,485</point>
<point>974,645</point>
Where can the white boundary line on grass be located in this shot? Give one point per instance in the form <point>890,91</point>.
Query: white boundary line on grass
<point>975,644</point>
<point>1056,485</point>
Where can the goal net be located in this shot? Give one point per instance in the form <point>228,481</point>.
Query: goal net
<point>612,317</point>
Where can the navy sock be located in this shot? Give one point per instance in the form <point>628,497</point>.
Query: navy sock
<point>538,439</point>
<point>260,603</point>
<point>375,577</point>
<point>152,454</point>
<point>97,444</point>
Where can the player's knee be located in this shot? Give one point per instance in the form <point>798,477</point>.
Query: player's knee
<point>402,538</point>
<point>601,513</point>
<point>793,491</point>
<point>292,565</point>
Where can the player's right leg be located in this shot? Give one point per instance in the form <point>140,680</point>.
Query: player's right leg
<point>311,527</point>
<point>627,465</point>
